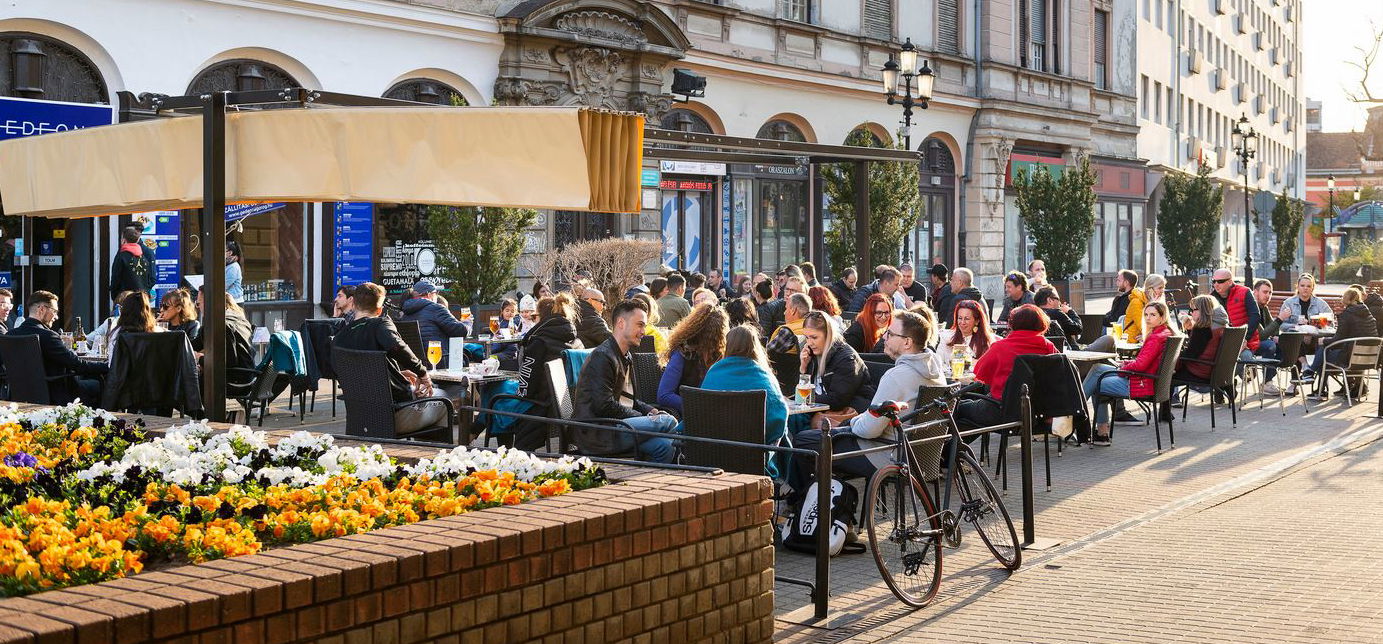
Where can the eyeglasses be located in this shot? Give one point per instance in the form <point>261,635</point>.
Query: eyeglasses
<point>881,313</point>
<point>1222,281</point>
<point>888,333</point>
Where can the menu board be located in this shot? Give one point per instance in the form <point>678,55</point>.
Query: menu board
<point>162,237</point>
<point>354,243</point>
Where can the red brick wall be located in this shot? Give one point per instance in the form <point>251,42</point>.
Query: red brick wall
<point>657,556</point>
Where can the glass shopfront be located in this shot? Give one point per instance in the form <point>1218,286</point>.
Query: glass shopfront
<point>769,218</point>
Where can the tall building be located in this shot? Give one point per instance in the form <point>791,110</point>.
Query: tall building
<point>1203,65</point>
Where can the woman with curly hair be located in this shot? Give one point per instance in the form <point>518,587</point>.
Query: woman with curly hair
<point>697,343</point>
<point>824,301</point>
<point>869,326</point>
<point>742,311</point>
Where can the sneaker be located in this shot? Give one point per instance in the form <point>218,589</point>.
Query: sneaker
<point>1127,418</point>
<point>1100,441</point>
<point>1270,389</point>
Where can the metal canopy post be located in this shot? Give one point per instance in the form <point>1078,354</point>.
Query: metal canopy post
<point>214,255</point>
<point>862,222</point>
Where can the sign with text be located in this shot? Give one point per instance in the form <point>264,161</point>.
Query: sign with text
<point>692,167</point>
<point>355,243</point>
<point>241,211</point>
<point>162,239</point>
<point>649,177</point>
<point>20,117</point>
<point>686,184</point>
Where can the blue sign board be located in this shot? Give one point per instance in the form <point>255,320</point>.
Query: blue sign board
<point>241,211</point>
<point>162,228</point>
<point>5,280</point>
<point>649,178</point>
<point>354,243</point>
<point>21,117</point>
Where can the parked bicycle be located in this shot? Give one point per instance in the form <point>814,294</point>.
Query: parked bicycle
<point>907,532</point>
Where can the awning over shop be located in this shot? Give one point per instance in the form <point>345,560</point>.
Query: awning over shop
<point>559,158</point>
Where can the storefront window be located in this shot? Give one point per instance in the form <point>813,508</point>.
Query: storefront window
<point>782,223</point>
<point>1111,240</point>
<point>404,247</point>
<point>1125,238</point>
<point>273,247</point>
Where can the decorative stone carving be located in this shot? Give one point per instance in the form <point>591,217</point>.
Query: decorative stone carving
<point>652,72</point>
<point>654,105</point>
<point>602,24</point>
<point>593,72</point>
<point>516,91</point>
<point>535,55</point>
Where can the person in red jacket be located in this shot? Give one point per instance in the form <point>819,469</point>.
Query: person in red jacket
<point>1155,334</point>
<point>1027,336</point>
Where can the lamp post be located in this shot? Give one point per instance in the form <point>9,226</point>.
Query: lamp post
<point>1245,140</point>
<point>915,89</point>
<point>1330,208</point>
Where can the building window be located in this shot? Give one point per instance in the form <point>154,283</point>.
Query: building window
<point>1101,49</point>
<point>424,90</point>
<point>1036,47</point>
<point>797,10</point>
<point>1144,103</point>
<point>1157,102</point>
<point>948,26</point>
<point>878,19</point>
<point>780,131</point>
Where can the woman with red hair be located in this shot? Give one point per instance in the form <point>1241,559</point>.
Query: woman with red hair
<point>970,328</point>
<point>824,301</point>
<point>868,329</point>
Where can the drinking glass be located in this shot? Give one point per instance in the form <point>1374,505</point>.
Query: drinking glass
<point>162,325</point>
<point>434,352</point>
<point>494,324</point>
<point>804,390</point>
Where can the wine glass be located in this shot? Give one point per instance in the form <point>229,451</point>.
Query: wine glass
<point>434,352</point>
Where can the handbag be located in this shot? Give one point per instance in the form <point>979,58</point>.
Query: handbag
<point>833,417</point>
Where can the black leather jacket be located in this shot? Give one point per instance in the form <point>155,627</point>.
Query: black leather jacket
<point>136,363</point>
<point>591,329</point>
<point>603,381</point>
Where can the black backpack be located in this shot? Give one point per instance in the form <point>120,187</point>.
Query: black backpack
<point>799,532</point>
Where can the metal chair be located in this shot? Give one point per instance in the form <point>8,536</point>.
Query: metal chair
<point>1289,346</point>
<point>317,336</point>
<point>876,357</point>
<point>726,415</point>
<point>370,404</point>
<point>1162,390</point>
<point>849,316</point>
<point>877,371</point>
<point>254,387</point>
<point>412,336</point>
<point>23,360</point>
<point>1363,358</point>
<point>1221,379</point>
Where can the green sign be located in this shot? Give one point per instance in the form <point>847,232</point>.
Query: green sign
<point>650,178</point>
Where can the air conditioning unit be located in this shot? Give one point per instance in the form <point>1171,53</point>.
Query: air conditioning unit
<point>1274,177</point>
<point>1194,149</point>
<point>1241,93</point>
<point>1272,56</point>
<point>1221,157</point>
<point>1287,13</point>
<point>1272,116</point>
<point>1221,79</point>
<point>1221,6</point>
<point>1260,104</point>
<point>1195,60</point>
<point>1288,125</point>
<point>1291,179</point>
<point>1241,23</point>
<point>1258,40</point>
<point>1287,69</point>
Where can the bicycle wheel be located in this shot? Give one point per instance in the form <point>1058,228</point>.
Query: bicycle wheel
<point>982,506</point>
<point>904,535</point>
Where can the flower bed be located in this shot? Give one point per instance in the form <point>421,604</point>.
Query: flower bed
<point>85,497</point>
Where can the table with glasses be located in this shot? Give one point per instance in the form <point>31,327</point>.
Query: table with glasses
<point>795,408</point>
<point>474,381</point>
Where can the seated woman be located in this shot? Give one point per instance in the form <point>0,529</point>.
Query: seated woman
<point>745,368</point>
<point>840,377</point>
<point>696,344</point>
<point>867,330</point>
<point>509,319</point>
<point>1027,336</point>
<point>136,316</point>
<point>969,330</point>
<point>742,311</point>
<point>654,318</point>
<point>1355,321</point>
<point>1155,334</point>
<point>554,333</point>
<point>823,300</point>
<point>180,313</point>
<point>1204,325</point>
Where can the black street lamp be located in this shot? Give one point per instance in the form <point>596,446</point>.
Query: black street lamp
<point>1330,186</point>
<point>1245,141</point>
<point>916,87</point>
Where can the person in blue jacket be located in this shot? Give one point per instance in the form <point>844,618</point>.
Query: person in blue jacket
<point>745,368</point>
<point>696,344</point>
<point>435,322</point>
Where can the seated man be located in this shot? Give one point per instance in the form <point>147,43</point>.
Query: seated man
<point>371,330</point>
<point>435,322</point>
<point>1059,313</point>
<point>783,346</point>
<point>239,333</point>
<point>914,365</point>
<point>58,358</point>
<point>604,390</point>
<point>1016,294</point>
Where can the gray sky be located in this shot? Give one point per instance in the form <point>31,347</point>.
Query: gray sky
<point>1330,32</point>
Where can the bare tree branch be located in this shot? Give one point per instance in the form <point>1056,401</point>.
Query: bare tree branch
<point>1367,56</point>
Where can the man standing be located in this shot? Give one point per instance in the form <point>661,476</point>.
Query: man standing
<point>132,269</point>
<point>371,330</point>
<point>962,288</point>
<point>673,305</point>
<point>1016,294</point>
<point>914,291</point>
<point>605,390</point>
<point>1037,274</point>
<point>58,358</point>
<point>1239,303</point>
<point>591,328</point>
<point>941,289</point>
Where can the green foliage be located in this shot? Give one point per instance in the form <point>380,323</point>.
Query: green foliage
<point>1059,213</point>
<point>478,248</point>
<point>1287,220</point>
<point>1359,253</point>
<point>894,202</point>
<point>1188,218</point>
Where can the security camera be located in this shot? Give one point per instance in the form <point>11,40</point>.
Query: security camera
<point>688,84</point>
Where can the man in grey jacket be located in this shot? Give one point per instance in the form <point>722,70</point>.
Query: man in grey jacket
<point>906,341</point>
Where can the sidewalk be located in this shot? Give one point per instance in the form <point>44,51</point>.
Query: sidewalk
<point>1159,547</point>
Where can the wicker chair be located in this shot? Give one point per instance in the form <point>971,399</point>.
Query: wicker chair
<point>647,374</point>
<point>23,362</point>
<point>1222,370</point>
<point>876,357</point>
<point>727,415</point>
<point>1092,327</point>
<point>1162,390</point>
<point>370,405</point>
<point>646,345</point>
<point>877,371</point>
<point>413,337</point>
<point>1289,346</point>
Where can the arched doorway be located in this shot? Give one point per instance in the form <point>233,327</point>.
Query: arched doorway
<point>931,241</point>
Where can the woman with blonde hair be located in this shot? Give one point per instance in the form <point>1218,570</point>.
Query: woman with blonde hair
<point>696,344</point>
<point>836,370</point>
<point>1118,386</point>
<point>654,317</point>
<point>745,368</point>
<point>180,313</point>
<point>1204,325</point>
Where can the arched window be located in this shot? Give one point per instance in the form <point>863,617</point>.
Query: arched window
<point>241,75</point>
<point>780,131</point>
<point>426,90</point>
<point>40,67</point>
<point>684,120</point>
<point>937,157</point>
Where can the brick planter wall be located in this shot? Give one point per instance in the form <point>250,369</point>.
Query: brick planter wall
<point>658,556</point>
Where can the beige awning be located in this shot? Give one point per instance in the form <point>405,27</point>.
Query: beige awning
<point>537,157</point>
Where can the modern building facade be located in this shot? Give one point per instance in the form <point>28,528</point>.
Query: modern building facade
<point>1203,65</point>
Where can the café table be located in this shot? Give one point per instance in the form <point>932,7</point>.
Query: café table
<point>798,408</point>
<point>474,381</point>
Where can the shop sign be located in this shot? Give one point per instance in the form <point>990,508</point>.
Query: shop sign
<point>50,260</point>
<point>781,170</point>
<point>161,235</point>
<point>354,243</point>
<point>402,265</point>
<point>241,211</point>
<point>649,178</point>
<point>686,184</point>
<point>1030,162</point>
<point>5,280</point>
<point>649,199</point>
<point>692,167</point>
<point>20,117</point>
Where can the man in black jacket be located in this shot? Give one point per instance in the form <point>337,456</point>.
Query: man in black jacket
<point>915,291</point>
<point>435,322</point>
<point>1059,312</point>
<point>962,288</point>
<point>941,290</point>
<point>58,358</point>
<point>133,268</point>
<point>604,390</point>
<point>371,330</point>
<point>591,328</point>
<point>771,311</point>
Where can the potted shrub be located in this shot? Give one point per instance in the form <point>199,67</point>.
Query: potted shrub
<point>1287,218</point>
<point>1188,218</point>
<point>1059,213</point>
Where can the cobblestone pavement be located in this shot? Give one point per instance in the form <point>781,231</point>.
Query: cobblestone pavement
<point>1242,533</point>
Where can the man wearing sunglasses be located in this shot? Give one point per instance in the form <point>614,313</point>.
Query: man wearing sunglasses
<point>58,358</point>
<point>591,328</point>
<point>1239,303</point>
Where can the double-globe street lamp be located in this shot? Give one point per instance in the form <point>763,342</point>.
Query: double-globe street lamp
<point>915,89</point>
<point>1245,140</point>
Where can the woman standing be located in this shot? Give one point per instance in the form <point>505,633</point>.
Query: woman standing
<point>180,313</point>
<point>868,328</point>
<point>1155,334</point>
<point>235,277</point>
<point>840,378</point>
<point>696,344</point>
<point>970,330</point>
<point>745,368</point>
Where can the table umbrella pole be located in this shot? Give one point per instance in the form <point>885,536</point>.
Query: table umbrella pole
<point>214,255</point>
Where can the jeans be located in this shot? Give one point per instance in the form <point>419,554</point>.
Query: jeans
<point>1267,348</point>
<point>651,448</point>
<point>1116,386</point>
<point>89,390</point>
<point>1337,357</point>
